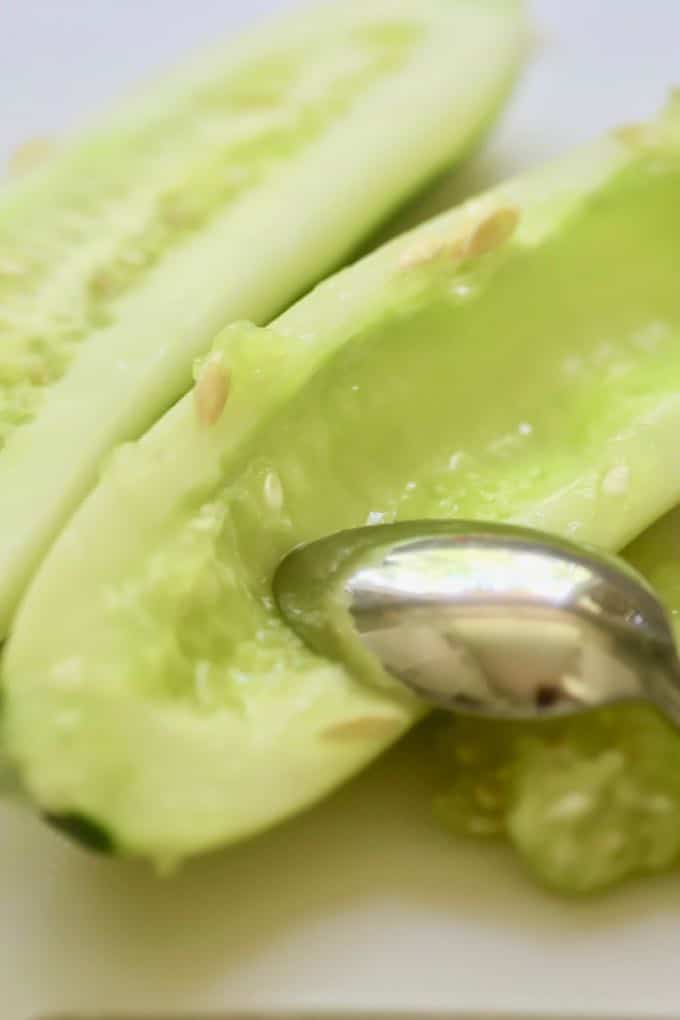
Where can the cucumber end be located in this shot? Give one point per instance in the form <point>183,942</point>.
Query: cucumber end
<point>83,830</point>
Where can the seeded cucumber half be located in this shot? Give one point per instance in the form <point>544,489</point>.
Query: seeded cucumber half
<point>515,359</point>
<point>222,194</point>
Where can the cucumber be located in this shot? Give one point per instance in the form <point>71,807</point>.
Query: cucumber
<point>223,193</point>
<point>515,359</point>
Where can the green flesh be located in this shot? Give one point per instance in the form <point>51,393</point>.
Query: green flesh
<point>222,194</point>
<point>166,702</point>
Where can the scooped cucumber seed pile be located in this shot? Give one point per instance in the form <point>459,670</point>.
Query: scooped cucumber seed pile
<point>585,801</point>
<point>516,359</point>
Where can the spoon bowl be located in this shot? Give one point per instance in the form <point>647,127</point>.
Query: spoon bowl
<point>483,618</point>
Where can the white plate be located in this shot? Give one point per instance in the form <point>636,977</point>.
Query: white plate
<point>361,903</point>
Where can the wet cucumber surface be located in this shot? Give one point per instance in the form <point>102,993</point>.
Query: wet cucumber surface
<point>223,193</point>
<point>490,365</point>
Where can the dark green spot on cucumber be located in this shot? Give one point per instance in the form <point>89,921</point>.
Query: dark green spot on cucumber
<point>84,831</point>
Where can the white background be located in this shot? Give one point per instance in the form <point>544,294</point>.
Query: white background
<point>362,902</point>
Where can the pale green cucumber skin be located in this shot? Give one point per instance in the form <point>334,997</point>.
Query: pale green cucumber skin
<point>255,256</point>
<point>167,780</point>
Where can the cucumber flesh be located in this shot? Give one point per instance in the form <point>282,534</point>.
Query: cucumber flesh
<point>475,368</point>
<point>224,193</point>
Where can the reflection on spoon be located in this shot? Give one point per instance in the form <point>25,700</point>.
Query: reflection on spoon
<point>484,618</point>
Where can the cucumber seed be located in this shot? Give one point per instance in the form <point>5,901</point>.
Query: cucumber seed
<point>364,727</point>
<point>211,392</point>
<point>635,135</point>
<point>10,268</point>
<point>29,155</point>
<point>492,232</point>
<point>617,480</point>
<point>273,491</point>
<point>430,249</point>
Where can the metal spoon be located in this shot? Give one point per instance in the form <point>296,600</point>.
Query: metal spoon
<point>484,618</point>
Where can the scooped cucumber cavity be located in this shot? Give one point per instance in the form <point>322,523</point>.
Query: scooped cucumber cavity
<point>393,427</point>
<point>488,376</point>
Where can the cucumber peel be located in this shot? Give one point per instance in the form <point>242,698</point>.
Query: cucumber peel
<point>515,359</point>
<point>223,193</point>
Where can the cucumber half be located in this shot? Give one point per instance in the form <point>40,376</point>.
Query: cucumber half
<point>223,193</point>
<point>515,359</point>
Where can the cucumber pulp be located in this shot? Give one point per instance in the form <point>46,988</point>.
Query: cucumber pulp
<point>459,370</point>
<point>224,193</point>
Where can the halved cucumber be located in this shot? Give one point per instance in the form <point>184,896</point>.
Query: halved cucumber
<point>224,193</point>
<point>515,359</point>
